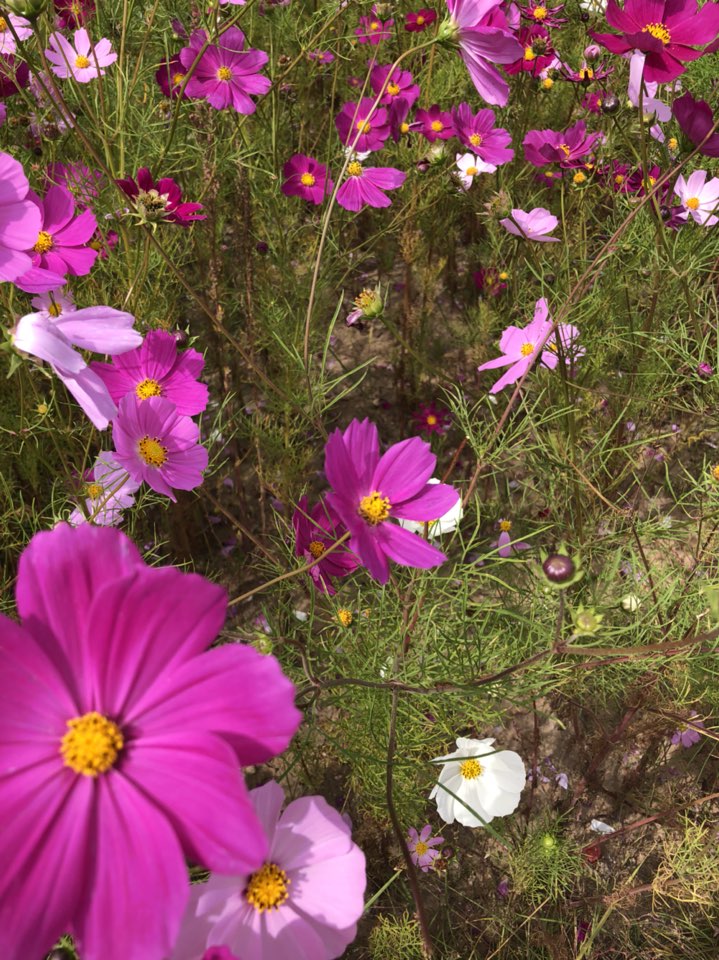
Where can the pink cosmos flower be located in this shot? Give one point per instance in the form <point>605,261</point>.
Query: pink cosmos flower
<point>419,21</point>
<point>170,76</point>
<point>61,246</point>
<point>536,54</point>
<point>83,61</point>
<point>109,490</point>
<point>506,545</point>
<point>20,220</point>
<point>22,28</point>
<point>531,225</point>
<point>51,338</point>
<point>372,30</point>
<point>699,198</point>
<point>73,13</point>
<point>122,742</point>
<point>304,901</point>
<point>421,847</point>
<point>400,86</point>
<point>521,347</point>
<point>315,531</point>
<point>155,443</point>
<point>644,91</point>
<point>565,147</point>
<point>364,186</point>
<point>666,30</point>
<point>435,124</point>
<point>321,56</point>
<point>696,120</point>
<point>227,74</point>
<point>483,34</point>
<point>362,128</point>
<point>80,180</point>
<point>156,369</point>
<point>368,491</point>
<point>544,15</point>
<point>478,133</point>
<point>307,178</point>
<point>161,201</point>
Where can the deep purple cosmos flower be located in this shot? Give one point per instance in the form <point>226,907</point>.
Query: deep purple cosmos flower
<point>14,76</point>
<point>565,147</point>
<point>534,224</point>
<point>170,76</point>
<point>61,246</point>
<point>666,30</point>
<point>161,201</point>
<point>20,219</point>
<point>435,124</point>
<point>122,738</point>
<point>536,53</point>
<point>544,15</point>
<point>73,13</point>
<point>155,443</point>
<point>304,901</point>
<point>479,134</point>
<point>227,74</point>
<point>431,418</point>
<point>365,186</point>
<point>359,130</point>
<point>157,369</point>
<point>490,281</point>
<point>696,120</point>
<point>315,531</point>
<point>484,37</point>
<point>372,30</point>
<point>307,178</point>
<point>417,22</point>
<point>369,491</point>
<point>421,847</point>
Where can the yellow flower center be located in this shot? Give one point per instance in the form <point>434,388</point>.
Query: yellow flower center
<point>54,309</point>
<point>393,89</point>
<point>420,20</point>
<point>475,139</point>
<point>692,203</point>
<point>565,149</point>
<point>152,451</point>
<point>504,275</point>
<point>547,83</point>
<point>715,472</point>
<point>42,409</point>
<point>586,73</point>
<point>505,525</point>
<point>529,54</point>
<point>364,126</point>
<point>355,169</point>
<point>658,30</point>
<point>470,769</point>
<point>404,127</point>
<point>267,888</point>
<point>539,13</point>
<point>44,242</point>
<point>307,180</point>
<point>345,617</point>
<point>375,25</point>
<point>81,62</point>
<point>527,349</point>
<point>3,24</point>
<point>374,508</point>
<point>365,299</point>
<point>437,126</point>
<point>94,490</point>
<point>471,171</point>
<point>148,388</point>
<point>431,419</point>
<point>672,143</point>
<point>177,79</point>
<point>420,848</point>
<point>316,548</point>
<point>224,73</point>
<point>619,179</point>
<point>579,177</point>
<point>91,744</point>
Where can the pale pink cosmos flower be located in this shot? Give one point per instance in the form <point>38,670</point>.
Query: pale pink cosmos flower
<point>53,303</point>
<point>699,198</point>
<point>650,104</point>
<point>108,491</point>
<point>21,26</point>
<point>421,847</point>
<point>470,166</point>
<point>20,219</point>
<point>83,61</point>
<point>52,339</point>
<point>531,225</point>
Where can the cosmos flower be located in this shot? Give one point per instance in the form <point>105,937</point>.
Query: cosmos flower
<point>418,21</point>
<point>504,543</point>
<point>83,61</point>
<point>565,147</point>
<point>696,120</point>
<point>122,742</point>
<point>82,182</point>
<point>469,166</point>
<point>170,76</point>
<point>161,201</point>
<point>421,847</point>
<point>431,418</point>
<point>307,178</point>
<point>483,35</point>
<point>315,531</point>
<point>537,53</point>
<point>227,74</point>
<point>490,281</point>
<point>398,85</point>
<point>488,782</point>
<point>534,224</point>
<point>372,30</point>
<point>522,347</point>
<point>544,15</point>
<point>435,124</point>
<point>687,736</point>
<point>20,220</point>
<point>70,14</point>
<point>699,197</point>
<point>14,76</point>
<point>362,128</point>
<point>446,523</point>
<point>478,133</point>
<point>108,491</point>
<point>365,186</point>
<point>369,491</point>
<point>644,91</point>
<point>22,28</point>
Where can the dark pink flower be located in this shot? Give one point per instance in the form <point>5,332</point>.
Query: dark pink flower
<point>20,220</point>
<point>479,134</point>
<point>227,75</point>
<point>218,953</point>
<point>171,75</point>
<point>696,120</point>
<point>321,56</point>
<point>364,186</point>
<point>400,85</point>
<point>417,22</point>
<point>161,201</point>
<point>586,74</point>
<point>435,124</point>
<point>307,178</point>
<point>593,101</point>
<point>565,147</point>
<point>80,180</point>
<point>361,128</point>
<point>537,52</point>
<point>70,14</point>
<point>14,75</point>
<point>372,30</point>
<point>544,15</point>
<point>431,418</point>
<point>490,281</point>
<point>315,531</point>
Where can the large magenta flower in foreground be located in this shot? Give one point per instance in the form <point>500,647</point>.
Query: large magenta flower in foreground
<point>666,30</point>
<point>122,738</point>
<point>482,32</point>
<point>20,219</point>
<point>369,490</point>
<point>302,904</point>
<point>227,75</point>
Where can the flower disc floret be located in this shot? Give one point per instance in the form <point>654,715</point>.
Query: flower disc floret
<point>152,451</point>
<point>267,888</point>
<point>375,508</point>
<point>92,744</point>
<point>659,31</point>
<point>470,769</point>
<point>44,242</point>
<point>148,388</point>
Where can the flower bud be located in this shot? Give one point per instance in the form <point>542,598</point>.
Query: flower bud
<point>60,953</point>
<point>705,369</point>
<point>631,603</point>
<point>610,104</point>
<point>558,568</point>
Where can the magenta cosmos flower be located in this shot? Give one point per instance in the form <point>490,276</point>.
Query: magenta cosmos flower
<point>369,491</point>
<point>227,75</point>
<point>696,120</point>
<point>421,847</point>
<point>315,531</point>
<point>20,220</point>
<point>537,53</point>
<point>481,30</point>
<point>364,186</point>
<point>418,21</point>
<point>478,133</point>
<point>161,201</point>
<point>435,124</point>
<point>565,147</point>
<point>431,418</point>
<point>361,127</point>
<point>307,178</point>
<point>304,901</point>
<point>157,369</point>
<point>83,61</point>
<point>521,347</point>
<point>122,738</point>
<point>542,14</point>
<point>535,225</point>
<point>170,76</point>
<point>155,443</point>
<point>372,30</point>
<point>398,86</point>
<point>666,30</point>
<point>61,245</point>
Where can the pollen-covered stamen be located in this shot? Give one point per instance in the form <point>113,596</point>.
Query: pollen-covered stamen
<point>393,89</point>
<point>177,79</point>
<point>420,848</point>
<point>529,54</point>
<point>355,169</point>
<point>431,419</point>
<point>148,388</point>
<point>527,349</point>
<point>267,888</point>
<point>586,73</point>
<point>224,74</point>
<point>375,25</point>
<point>3,24</point>
<point>316,548</point>
<point>54,309</point>
<point>364,126</point>
<point>692,203</point>
<point>437,126</point>
<point>307,180</point>
<point>565,149</point>
<point>471,171</point>
<point>81,62</point>
<point>660,31</point>
<point>152,451</point>
<point>374,508</point>
<point>539,13</point>
<point>505,525</point>
<point>475,139</point>
<point>94,490</point>
<point>92,744</point>
<point>152,203</point>
<point>470,769</point>
<point>44,242</point>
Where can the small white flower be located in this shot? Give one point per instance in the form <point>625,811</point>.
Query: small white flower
<point>469,166</point>
<point>488,783</point>
<point>631,603</point>
<point>447,523</point>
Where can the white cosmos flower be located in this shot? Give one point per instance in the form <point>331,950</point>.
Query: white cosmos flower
<point>491,785</point>
<point>447,523</point>
<point>469,167</point>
